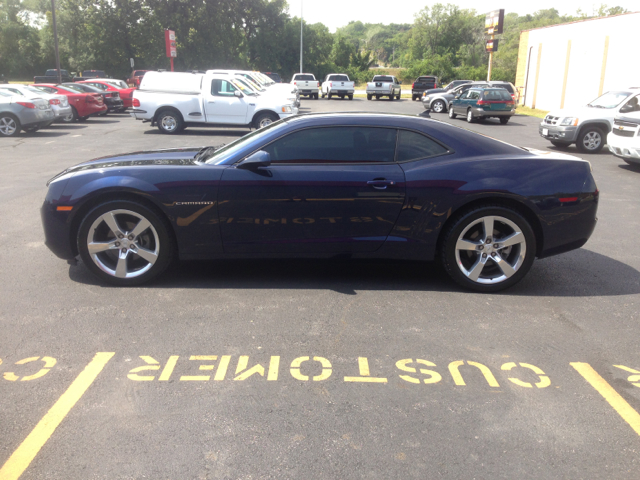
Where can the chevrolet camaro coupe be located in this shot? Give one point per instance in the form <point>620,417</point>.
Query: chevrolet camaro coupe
<point>327,185</point>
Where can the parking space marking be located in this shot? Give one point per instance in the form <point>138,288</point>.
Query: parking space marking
<point>618,403</point>
<point>29,448</point>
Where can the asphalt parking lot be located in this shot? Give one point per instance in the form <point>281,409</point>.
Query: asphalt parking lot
<point>304,369</point>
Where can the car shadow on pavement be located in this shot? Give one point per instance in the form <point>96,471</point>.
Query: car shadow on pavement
<point>581,273</point>
<point>41,133</point>
<point>630,168</point>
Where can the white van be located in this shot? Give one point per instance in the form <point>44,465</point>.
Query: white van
<point>624,139</point>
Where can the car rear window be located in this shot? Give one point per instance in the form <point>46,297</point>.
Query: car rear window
<point>506,86</point>
<point>304,77</point>
<point>339,78</point>
<point>426,79</point>
<point>382,78</point>
<point>500,94</point>
<point>413,146</point>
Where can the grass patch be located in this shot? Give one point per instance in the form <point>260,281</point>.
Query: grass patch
<point>531,112</point>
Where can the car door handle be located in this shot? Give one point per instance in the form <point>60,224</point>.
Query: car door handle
<point>380,183</point>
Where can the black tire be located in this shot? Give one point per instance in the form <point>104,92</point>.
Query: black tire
<point>350,97</point>
<point>504,120</point>
<point>329,95</point>
<point>451,114</point>
<point>439,106</point>
<point>122,110</point>
<point>73,117</point>
<point>369,97</point>
<point>470,117</point>
<point>558,144</point>
<point>341,97</point>
<point>169,122</point>
<point>263,119</point>
<point>377,97</point>
<point>398,96</point>
<point>591,139</point>
<point>323,95</point>
<point>9,125</point>
<point>315,96</point>
<point>155,240</point>
<point>31,129</point>
<point>414,98</point>
<point>391,97</point>
<point>468,228</point>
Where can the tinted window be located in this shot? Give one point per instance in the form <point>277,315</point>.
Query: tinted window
<point>496,95</point>
<point>222,88</point>
<point>98,85</point>
<point>382,78</point>
<point>474,94</point>
<point>339,78</point>
<point>335,145</point>
<point>427,79</point>
<point>412,146</point>
<point>506,86</point>
<point>304,77</point>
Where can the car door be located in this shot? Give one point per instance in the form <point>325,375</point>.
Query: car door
<point>346,181</point>
<point>458,103</point>
<point>221,105</point>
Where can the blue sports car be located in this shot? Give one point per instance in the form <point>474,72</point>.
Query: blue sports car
<point>325,185</point>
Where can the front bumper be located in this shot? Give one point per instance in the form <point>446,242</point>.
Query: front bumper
<point>294,111</point>
<point>627,148</point>
<point>554,132</point>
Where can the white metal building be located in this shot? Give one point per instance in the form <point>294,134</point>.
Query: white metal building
<point>571,64</point>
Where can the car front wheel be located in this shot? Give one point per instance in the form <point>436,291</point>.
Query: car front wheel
<point>451,114</point>
<point>125,243</point>
<point>438,106</point>
<point>169,122</point>
<point>470,118</point>
<point>591,140</point>
<point>488,249</point>
<point>265,119</point>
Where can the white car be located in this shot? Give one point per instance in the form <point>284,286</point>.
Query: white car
<point>59,103</point>
<point>307,84</point>
<point>286,91</point>
<point>589,126</point>
<point>338,84</point>
<point>624,140</point>
<point>172,101</point>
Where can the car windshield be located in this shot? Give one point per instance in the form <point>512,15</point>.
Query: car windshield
<point>117,83</point>
<point>83,89</point>
<point>222,154</point>
<point>244,87</point>
<point>34,89</point>
<point>382,78</point>
<point>610,100</point>
<point>5,94</point>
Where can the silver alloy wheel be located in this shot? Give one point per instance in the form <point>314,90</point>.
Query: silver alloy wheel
<point>490,250</point>
<point>469,116</point>
<point>592,140</point>
<point>68,118</point>
<point>264,122</point>
<point>8,126</point>
<point>168,123</point>
<point>451,112</point>
<point>123,243</point>
<point>438,106</point>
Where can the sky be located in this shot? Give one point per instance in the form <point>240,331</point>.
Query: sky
<point>337,13</point>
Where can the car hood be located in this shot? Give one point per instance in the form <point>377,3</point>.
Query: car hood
<point>434,90</point>
<point>585,112</point>
<point>168,156</point>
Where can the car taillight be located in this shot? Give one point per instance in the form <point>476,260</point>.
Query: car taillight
<point>510,103</point>
<point>481,102</point>
<point>513,95</point>
<point>27,104</point>
<point>330,84</point>
<point>318,84</point>
<point>295,83</point>
<point>136,102</point>
<point>413,84</point>
<point>54,101</point>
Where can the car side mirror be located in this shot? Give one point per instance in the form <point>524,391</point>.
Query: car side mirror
<point>238,94</point>
<point>256,160</point>
<point>628,108</point>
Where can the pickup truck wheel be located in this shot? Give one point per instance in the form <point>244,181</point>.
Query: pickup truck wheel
<point>451,114</point>
<point>315,96</point>
<point>414,98</point>
<point>341,97</point>
<point>329,95</point>
<point>350,97</point>
<point>169,122</point>
<point>369,97</point>
<point>377,97</point>
<point>9,125</point>
<point>438,106</point>
<point>391,97</point>
<point>264,119</point>
<point>470,118</point>
<point>590,140</point>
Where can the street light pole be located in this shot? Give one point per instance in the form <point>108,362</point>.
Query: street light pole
<point>55,40</point>
<point>301,2</point>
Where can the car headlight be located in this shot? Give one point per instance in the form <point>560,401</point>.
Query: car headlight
<point>286,109</point>
<point>426,97</point>
<point>569,121</point>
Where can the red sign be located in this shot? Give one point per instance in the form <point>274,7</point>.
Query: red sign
<point>170,43</point>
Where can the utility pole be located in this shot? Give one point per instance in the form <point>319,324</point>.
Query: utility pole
<point>301,3</point>
<point>55,40</point>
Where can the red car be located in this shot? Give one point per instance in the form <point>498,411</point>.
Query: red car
<point>113,85</point>
<point>84,105</point>
<point>136,77</point>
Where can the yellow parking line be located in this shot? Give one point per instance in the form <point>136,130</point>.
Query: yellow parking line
<point>27,451</point>
<point>618,403</point>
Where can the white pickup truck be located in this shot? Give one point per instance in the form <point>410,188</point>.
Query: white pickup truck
<point>306,84</point>
<point>173,101</point>
<point>384,86</point>
<point>338,84</point>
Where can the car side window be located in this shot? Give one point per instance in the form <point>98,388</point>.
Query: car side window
<point>414,146</point>
<point>222,88</point>
<point>98,85</point>
<point>335,145</point>
<point>464,95</point>
<point>474,95</point>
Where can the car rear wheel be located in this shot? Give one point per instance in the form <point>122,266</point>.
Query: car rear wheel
<point>9,125</point>
<point>72,117</point>
<point>470,117</point>
<point>315,96</point>
<point>451,114</point>
<point>264,119</point>
<point>591,140</point>
<point>169,122</point>
<point>414,98</point>
<point>350,97</point>
<point>438,106</point>
<point>488,249</point>
<point>369,97</point>
<point>125,243</point>
<point>329,95</point>
<point>504,120</point>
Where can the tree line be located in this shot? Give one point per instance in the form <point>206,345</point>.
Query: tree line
<point>443,40</point>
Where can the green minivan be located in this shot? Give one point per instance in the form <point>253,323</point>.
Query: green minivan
<point>483,102</point>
